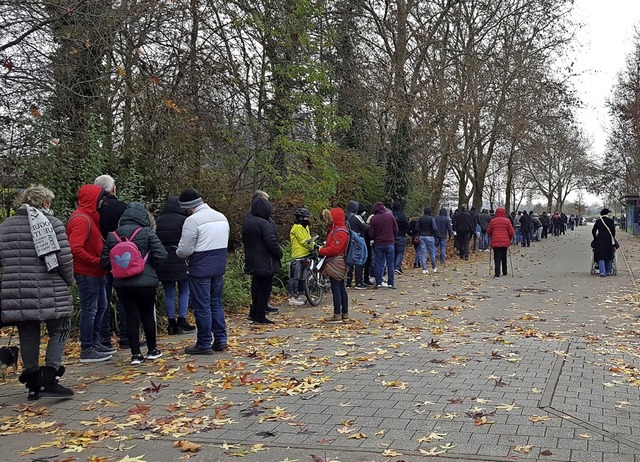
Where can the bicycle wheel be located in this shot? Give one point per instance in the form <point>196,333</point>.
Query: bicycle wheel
<point>313,290</point>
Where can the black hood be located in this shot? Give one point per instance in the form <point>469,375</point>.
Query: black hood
<point>443,212</point>
<point>173,206</point>
<point>261,208</point>
<point>397,206</point>
<point>352,207</point>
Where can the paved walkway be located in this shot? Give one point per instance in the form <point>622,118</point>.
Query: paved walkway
<point>539,365</point>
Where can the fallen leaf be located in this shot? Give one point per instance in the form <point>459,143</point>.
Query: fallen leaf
<point>525,449</point>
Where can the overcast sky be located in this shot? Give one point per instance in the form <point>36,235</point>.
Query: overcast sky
<point>605,40</point>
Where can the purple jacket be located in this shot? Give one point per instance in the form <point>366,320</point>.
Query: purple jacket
<point>383,227</point>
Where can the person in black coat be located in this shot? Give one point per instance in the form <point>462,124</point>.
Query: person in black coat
<point>464,226</point>
<point>400,243</point>
<point>604,240</point>
<point>262,254</point>
<point>174,270</point>
<point>525,229</point>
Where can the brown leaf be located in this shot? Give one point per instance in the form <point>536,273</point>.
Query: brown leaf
<point>187,446</point>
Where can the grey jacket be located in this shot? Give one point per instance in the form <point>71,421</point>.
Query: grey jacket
<point>27,291</point>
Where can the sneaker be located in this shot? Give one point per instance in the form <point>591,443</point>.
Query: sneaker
<point>360,286</point>
<point>435,270</point>
<point>154,354</point>
<point>425,271</point>
<point>219,346</point>
<point>262,321</point>
<point>90,355</point>
<point>384,284</point>
<point>391,287</point>
<point>334,318</point>
<point>377,286</point>
<point>295,302</point>
<point>273,309</point>
<point>136,360</point>
<point>196,350</point>
<point>397,271</point>
<point>100,348</point>
<point>345,317</point>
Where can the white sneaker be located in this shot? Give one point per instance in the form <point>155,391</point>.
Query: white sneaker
<point>435,270</point>
<point>384,284</point>
<point>425,271</point>
<point>295,302</point>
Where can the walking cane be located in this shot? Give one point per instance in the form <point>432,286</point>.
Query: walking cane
<point>511,261</point>
<point>490,259</point>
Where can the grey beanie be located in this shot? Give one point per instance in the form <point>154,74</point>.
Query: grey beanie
<point>189,198</point>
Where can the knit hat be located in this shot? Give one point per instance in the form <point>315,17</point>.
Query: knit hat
<point>189,198</point>
<point>605,211</point>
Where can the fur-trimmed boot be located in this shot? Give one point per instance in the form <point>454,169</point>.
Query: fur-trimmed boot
<point>185,326</point>
<point>49,377</point>
<point>32,382</point>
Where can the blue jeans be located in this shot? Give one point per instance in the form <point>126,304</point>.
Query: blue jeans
<point>518,236</point>
<point>170,298</point>
<point>384,253</point>
<point>93,306</point>
<point>604,267</point>
<point>441,243</point>
<point>427,243</point>
<point>400,247</point>
<point>484,241</point>
<point>206,298</point>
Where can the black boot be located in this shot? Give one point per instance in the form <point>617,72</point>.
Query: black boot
<point>173,327</point>
<point>32,382</point>
<point>49,377</point>
<point>186,327</point>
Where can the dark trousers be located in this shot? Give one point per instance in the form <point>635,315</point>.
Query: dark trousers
<point>500,260</point>
<point>355,271</point>
<point>526,238</point>
<point>139,307</point>
<point>463,244</point>
<point>340,297</point>
<point>260,293</point>
<point>545,232</point>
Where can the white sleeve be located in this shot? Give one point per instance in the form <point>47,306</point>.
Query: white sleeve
<point>187,244</point>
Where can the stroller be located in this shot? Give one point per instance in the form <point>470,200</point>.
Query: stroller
<point>595,269</point>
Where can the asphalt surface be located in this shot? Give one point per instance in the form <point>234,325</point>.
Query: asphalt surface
<point>539,365</point>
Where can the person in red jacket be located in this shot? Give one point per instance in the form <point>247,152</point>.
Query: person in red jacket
<point>501,232</point>
<point>85,240</point>
<point>336,247</point>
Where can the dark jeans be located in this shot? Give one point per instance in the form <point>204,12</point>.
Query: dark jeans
<point>500,260</point>
<point>355,271</point>
<point>93,305</point>
<point>139,307</point>
<point>463,244</point>
<point>400,246</point>
<point>206,299</point>
<point>526,238</point>
<point>340,297</point>
<point>545,232</point>
<point>384,253</point>
<point>260,293</point>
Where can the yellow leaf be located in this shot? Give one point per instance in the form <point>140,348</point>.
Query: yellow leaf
<point>121,71</point>
<point>539,418</point>
<point>132,459</point>
<point>391,453</point>
<point>584,435</point>
<point>525,449</point>
<point>357,436</point>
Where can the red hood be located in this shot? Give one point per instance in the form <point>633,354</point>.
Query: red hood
<point>337,215</point>
<point>88,197</point>
<point>500,212</point>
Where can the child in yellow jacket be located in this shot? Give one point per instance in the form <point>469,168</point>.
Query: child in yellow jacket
<point>301,247</point>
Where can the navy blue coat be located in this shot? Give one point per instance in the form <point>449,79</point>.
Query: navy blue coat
<point>169,229</point>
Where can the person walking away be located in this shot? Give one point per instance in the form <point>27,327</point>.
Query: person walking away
<point>85,240</point>
<point>37,272</point>
<point>414,232</point>
<point>400,242</point>
<point>357,224</point>
<point>604,241</point>
<point>545,221</point>
<point>475,236</point>
<point>501,233</point>
<point>483,221</point>
<point>137,292</point>
<point>525,228</point>
<point>174,270</point>
<point>557,224</point>
<point>366,271</point>
<point>301,247</point>
<point>110,213</point>
<point>382,231</point>
<point>262,256</point>
<point>428,228</point>
<point>463,226</point>
<point>443,233</point>
<point>204,241</point>
<point>337,242</point>
<point>537,227</point>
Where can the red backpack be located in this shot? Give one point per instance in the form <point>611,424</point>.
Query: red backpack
<point>125,256</point>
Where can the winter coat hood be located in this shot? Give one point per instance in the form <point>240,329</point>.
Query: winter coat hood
<point>262,208</point>
<point>135,214</point>
<point>397,207</point>
<point>443,212</point>
<point>379,207</point>
<point>352,207</point>
<point>428,210</point>
<point>337,215</point>
<point>500,212</point>
<point>173,206</point>
<point>89,196</point>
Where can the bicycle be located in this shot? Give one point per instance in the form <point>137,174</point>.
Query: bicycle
<point>315,283</point>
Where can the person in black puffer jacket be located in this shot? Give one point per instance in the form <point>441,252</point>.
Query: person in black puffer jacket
<point>174,270</point>
<point>262,255</point>
<point>138,293</point>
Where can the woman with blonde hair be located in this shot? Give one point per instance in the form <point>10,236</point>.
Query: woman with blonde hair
<point>37,271</point>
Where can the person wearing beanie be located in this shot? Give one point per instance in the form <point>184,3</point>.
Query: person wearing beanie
<point>604,241</point>
<point>204,241</point>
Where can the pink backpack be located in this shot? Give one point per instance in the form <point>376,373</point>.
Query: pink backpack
<point>125,256</point>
